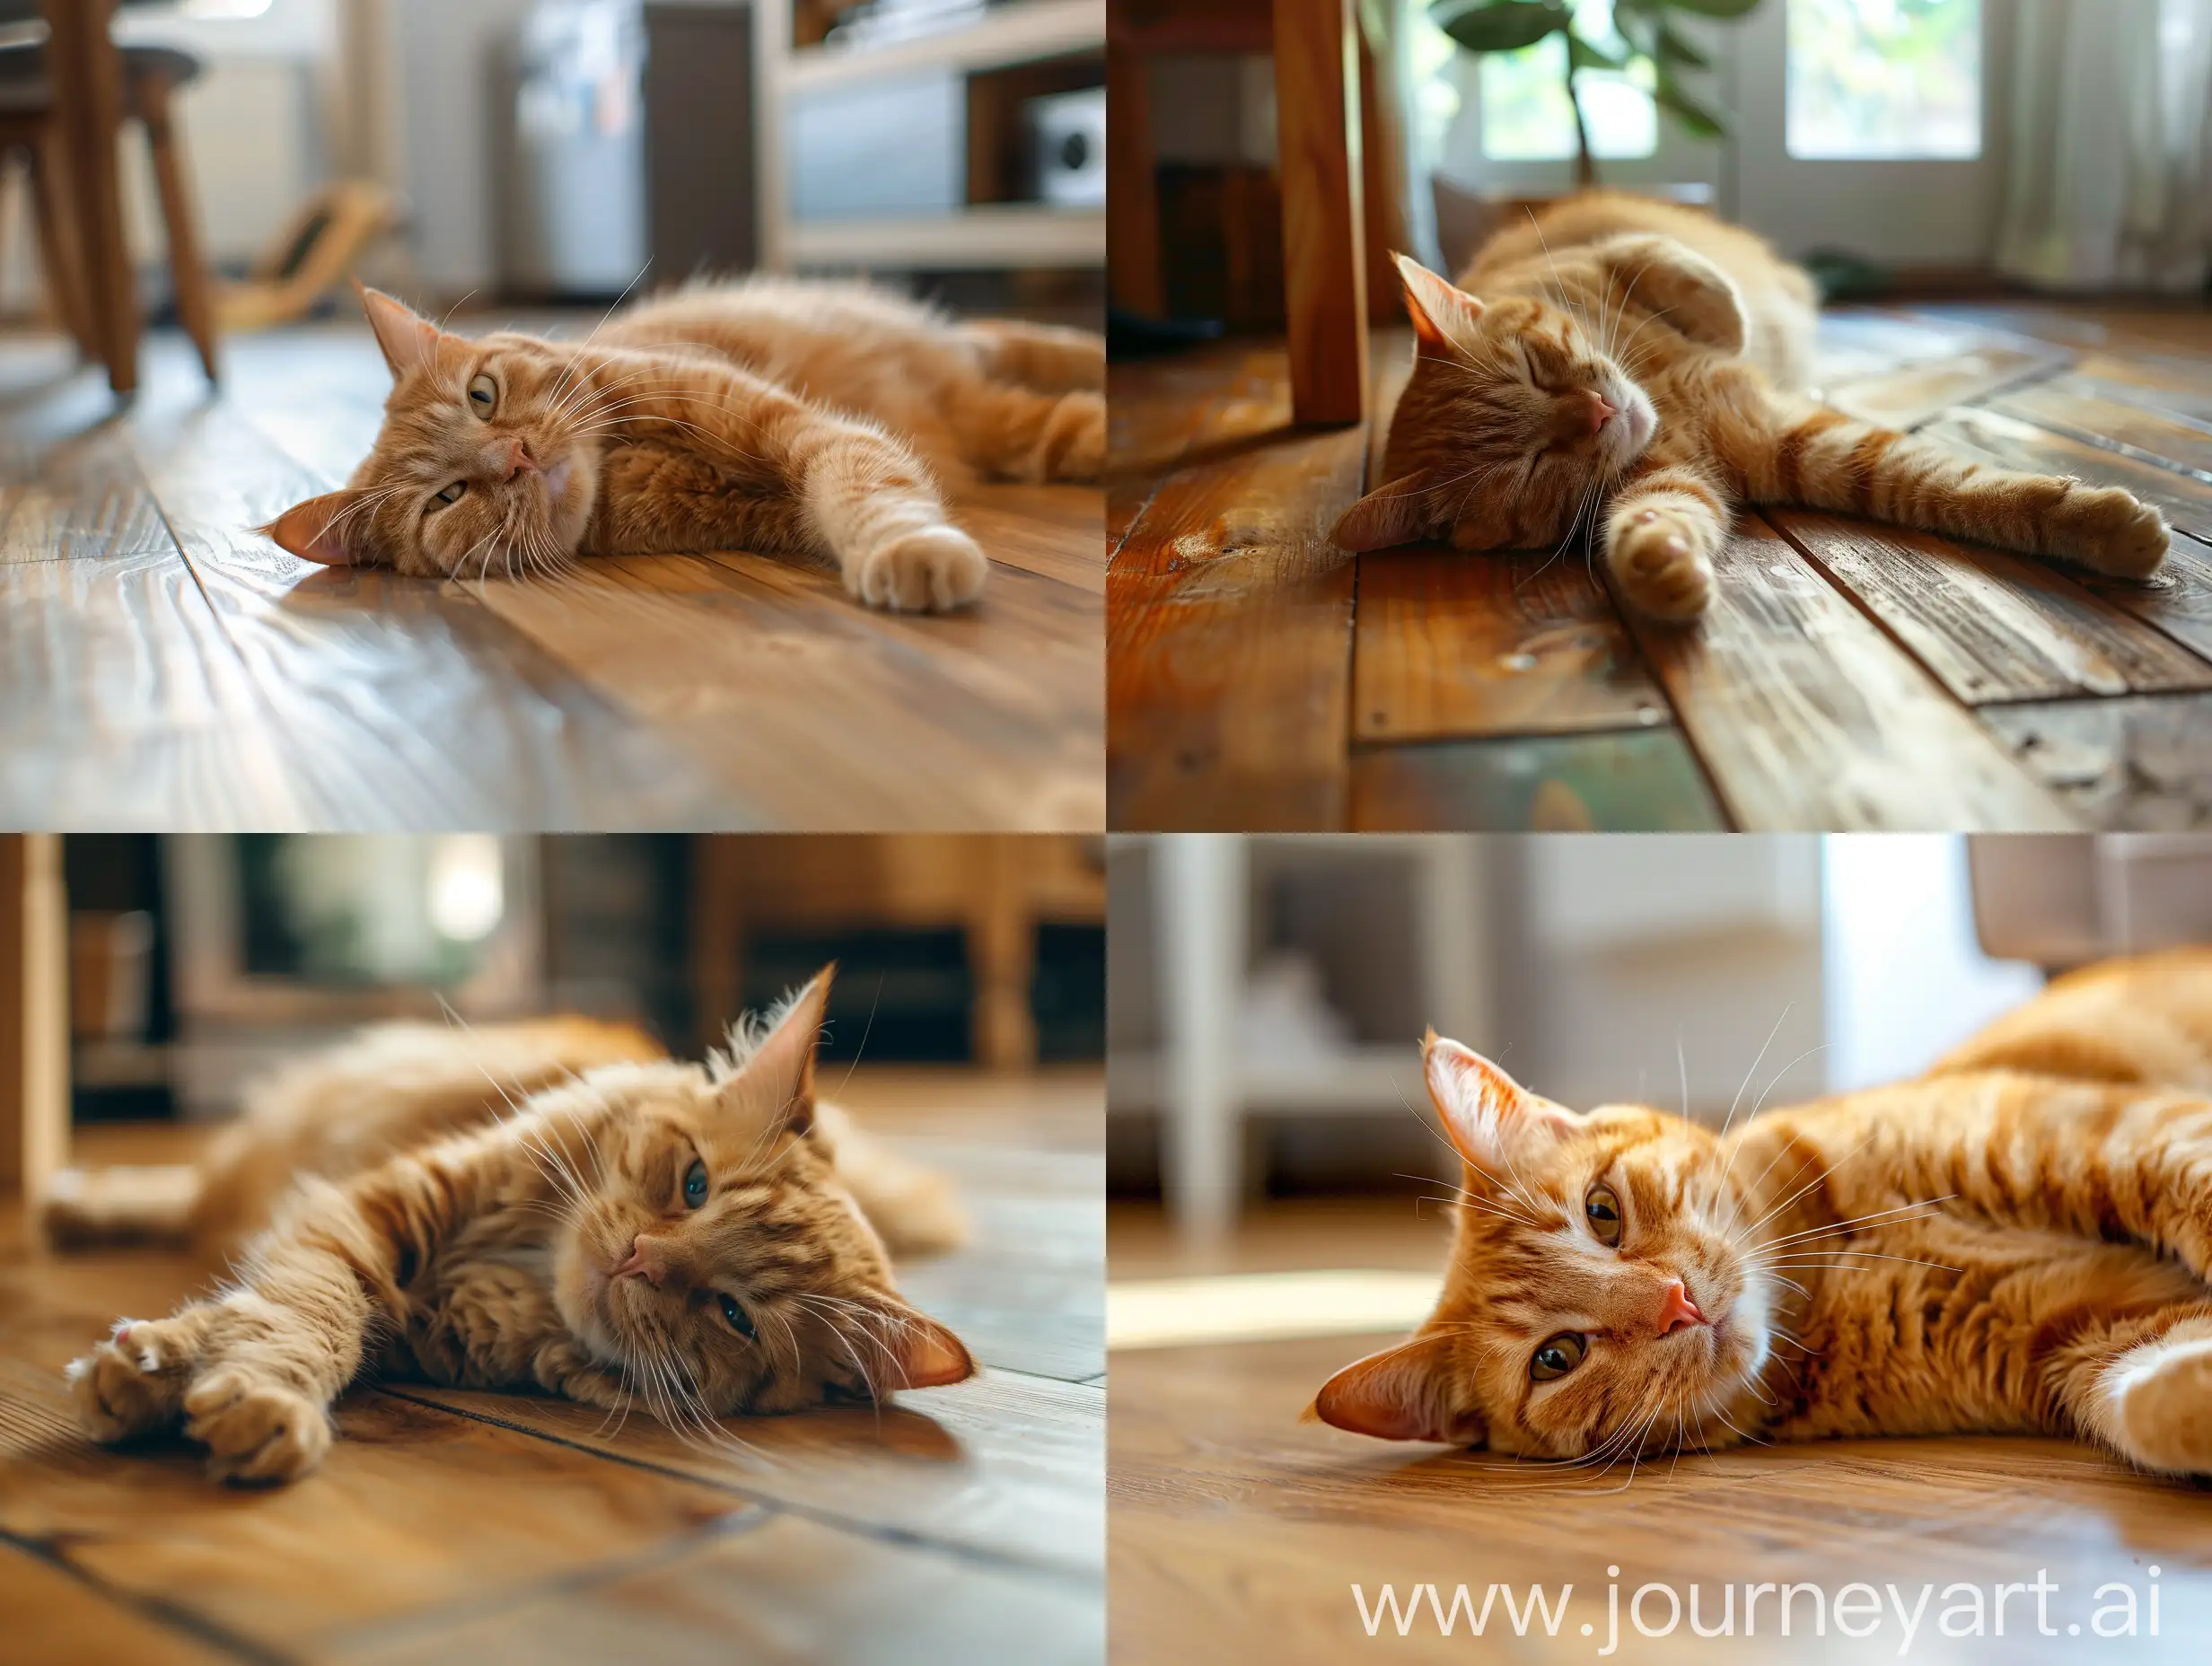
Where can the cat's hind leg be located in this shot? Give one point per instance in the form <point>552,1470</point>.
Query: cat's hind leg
<point>1044,356</point>
<point>1825,460</point>
<point>1010,432</point>
<point>1661,534</point>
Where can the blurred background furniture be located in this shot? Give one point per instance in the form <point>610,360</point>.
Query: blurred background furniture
<point>2065,900</point>
<point>34,1021</point>
<point>65,101</point>
<point>996,897</point>
<point>1269,994</point>
<point>936,99</point>
<point>193,963</point>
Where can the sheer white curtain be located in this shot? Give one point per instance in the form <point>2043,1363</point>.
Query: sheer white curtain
<point>2110,182</point>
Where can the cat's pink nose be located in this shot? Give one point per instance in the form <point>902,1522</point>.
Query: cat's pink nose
<point>1677,1311</point>
<point>1601,412</point>
<point>518,460</point>
<point>645,1262</point>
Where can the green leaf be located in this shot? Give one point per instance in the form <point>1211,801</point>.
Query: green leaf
<point>1716,8</point>
<point>1701,122</point>
<point>1586,55</point>
<point>1677,47</point>
<point>1501,26</point>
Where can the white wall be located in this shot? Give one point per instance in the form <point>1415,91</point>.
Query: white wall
<point>1906,978</point>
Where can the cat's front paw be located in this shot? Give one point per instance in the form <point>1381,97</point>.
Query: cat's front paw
<point>2165,1406</point>
<point>1656,562</point>
<point>131,1384</point>
<point>937,567</point>
<point>254,1429</point>
<point>2111,531</point>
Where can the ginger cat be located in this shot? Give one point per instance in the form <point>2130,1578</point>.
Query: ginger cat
<point>1986,1248</point>
<point>1641,367</point>
<point>552,1206</point>
<point>815,419</point>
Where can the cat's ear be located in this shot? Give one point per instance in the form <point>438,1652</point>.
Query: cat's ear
<point>1396,514</point>
<point>1400,1394</point>
<point>1439,310</point>
<point>777,1081</point>
<point>1489,1115</point>
<point>321,530</point>
<point>921,1352</point>
<point>408,338</point>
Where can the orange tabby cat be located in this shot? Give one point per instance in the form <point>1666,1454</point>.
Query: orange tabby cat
<point>810,418</point>
<point>551,1205</point>
<point>1643,364</point>
<point>1983,1249</point>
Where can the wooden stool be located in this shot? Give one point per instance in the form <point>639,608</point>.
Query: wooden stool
<point>29,122</point>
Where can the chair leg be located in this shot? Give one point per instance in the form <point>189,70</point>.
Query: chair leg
<point>1324,241</point>
<point>188,267</point>
<point>88,86</point>
<point>58,259</point>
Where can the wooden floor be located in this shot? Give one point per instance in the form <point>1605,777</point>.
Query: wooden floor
<point>1849,677</point>
<point>1236,1532</point>
<point>163,666</point>
<point>964,1523</point>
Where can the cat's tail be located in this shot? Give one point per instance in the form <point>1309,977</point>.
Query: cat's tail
<point>1041,356</point>
<point>121,1206</point>
<point>1823,460</point>
<point>913,1208</point>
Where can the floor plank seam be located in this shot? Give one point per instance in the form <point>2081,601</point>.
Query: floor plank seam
<point>2105,443</point>
<point>878,1532</point>
<point>2027,378</point>
<point>158,1611</point>
<point>576,1580</point>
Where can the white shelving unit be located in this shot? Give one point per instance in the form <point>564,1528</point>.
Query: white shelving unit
<point>1200,1079</point>
<point>986,235</point>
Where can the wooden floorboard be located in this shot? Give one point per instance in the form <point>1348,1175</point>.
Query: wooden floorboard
<point>1833,687</point>
<point>2141,764</point>
<point>197,677</point>
<point>955,1523</point>
<point>1237,1531</point>
<point>1229,622</point>
<point>1808,718</point>
<point>1991,626</point>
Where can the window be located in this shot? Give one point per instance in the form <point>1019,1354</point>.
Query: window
<point>1871,78</point>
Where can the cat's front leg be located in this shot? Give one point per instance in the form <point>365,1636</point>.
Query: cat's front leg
<point>564,1369</point>
<point>134,1383</point>
<point>1662,535</point>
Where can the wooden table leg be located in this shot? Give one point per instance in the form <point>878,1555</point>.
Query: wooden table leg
<point>88,101</point>
<point>1324,242</point>
<point>34,1013</point>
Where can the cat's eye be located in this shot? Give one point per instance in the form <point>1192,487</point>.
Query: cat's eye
<point>483,394</point>
<point>735,1316</point>
<point>452,494</point>
<point>1602,1209</point>
<point>1557,1356</point>
<point>695,1188</point>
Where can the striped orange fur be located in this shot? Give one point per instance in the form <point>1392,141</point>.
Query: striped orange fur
<point>1640,368</point>
<point>819,420</point>
<point>1983,1250</point>
<point>553,1207</point>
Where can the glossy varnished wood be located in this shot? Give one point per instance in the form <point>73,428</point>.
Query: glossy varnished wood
<point>167,666</point>
<point>1851,676</point>
<point>961,1523</point>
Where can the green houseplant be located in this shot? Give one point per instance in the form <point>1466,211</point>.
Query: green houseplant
<point>1642,30</point>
